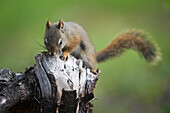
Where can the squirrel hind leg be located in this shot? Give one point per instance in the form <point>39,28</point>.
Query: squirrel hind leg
<point>89,61</point>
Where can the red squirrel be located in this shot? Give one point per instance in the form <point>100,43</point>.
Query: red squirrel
<point>71,38</point>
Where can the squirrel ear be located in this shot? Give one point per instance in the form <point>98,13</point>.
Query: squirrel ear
<point>60,24</point>
<point>48,24</point>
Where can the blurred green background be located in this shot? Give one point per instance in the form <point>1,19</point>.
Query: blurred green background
<point>127,84</point>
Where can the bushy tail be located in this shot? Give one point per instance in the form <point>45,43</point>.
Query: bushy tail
<point>130,39</point>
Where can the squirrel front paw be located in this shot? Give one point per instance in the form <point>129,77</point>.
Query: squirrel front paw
<point>65,56</point>
<point>95,71</point>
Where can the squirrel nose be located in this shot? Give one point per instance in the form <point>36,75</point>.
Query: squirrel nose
<point>51,53</point>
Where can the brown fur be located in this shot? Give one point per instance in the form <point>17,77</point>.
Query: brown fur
<point>131,39</point>
<point>77,43</point>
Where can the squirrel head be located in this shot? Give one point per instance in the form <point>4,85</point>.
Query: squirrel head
<point>54,37</point>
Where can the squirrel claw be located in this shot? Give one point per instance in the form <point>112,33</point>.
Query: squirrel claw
<point>95,71</point>
<point>64,57</point>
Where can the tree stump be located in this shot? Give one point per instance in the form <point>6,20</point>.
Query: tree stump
<point>50,86</point>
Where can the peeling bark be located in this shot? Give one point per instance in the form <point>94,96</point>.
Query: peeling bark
<point>51,85</point>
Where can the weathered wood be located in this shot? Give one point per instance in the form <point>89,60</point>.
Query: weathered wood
<point>18,88</point>
<point>52,85</point>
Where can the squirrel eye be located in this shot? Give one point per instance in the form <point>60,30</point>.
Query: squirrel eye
<point>45,41</point>
<point>60,42</point>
